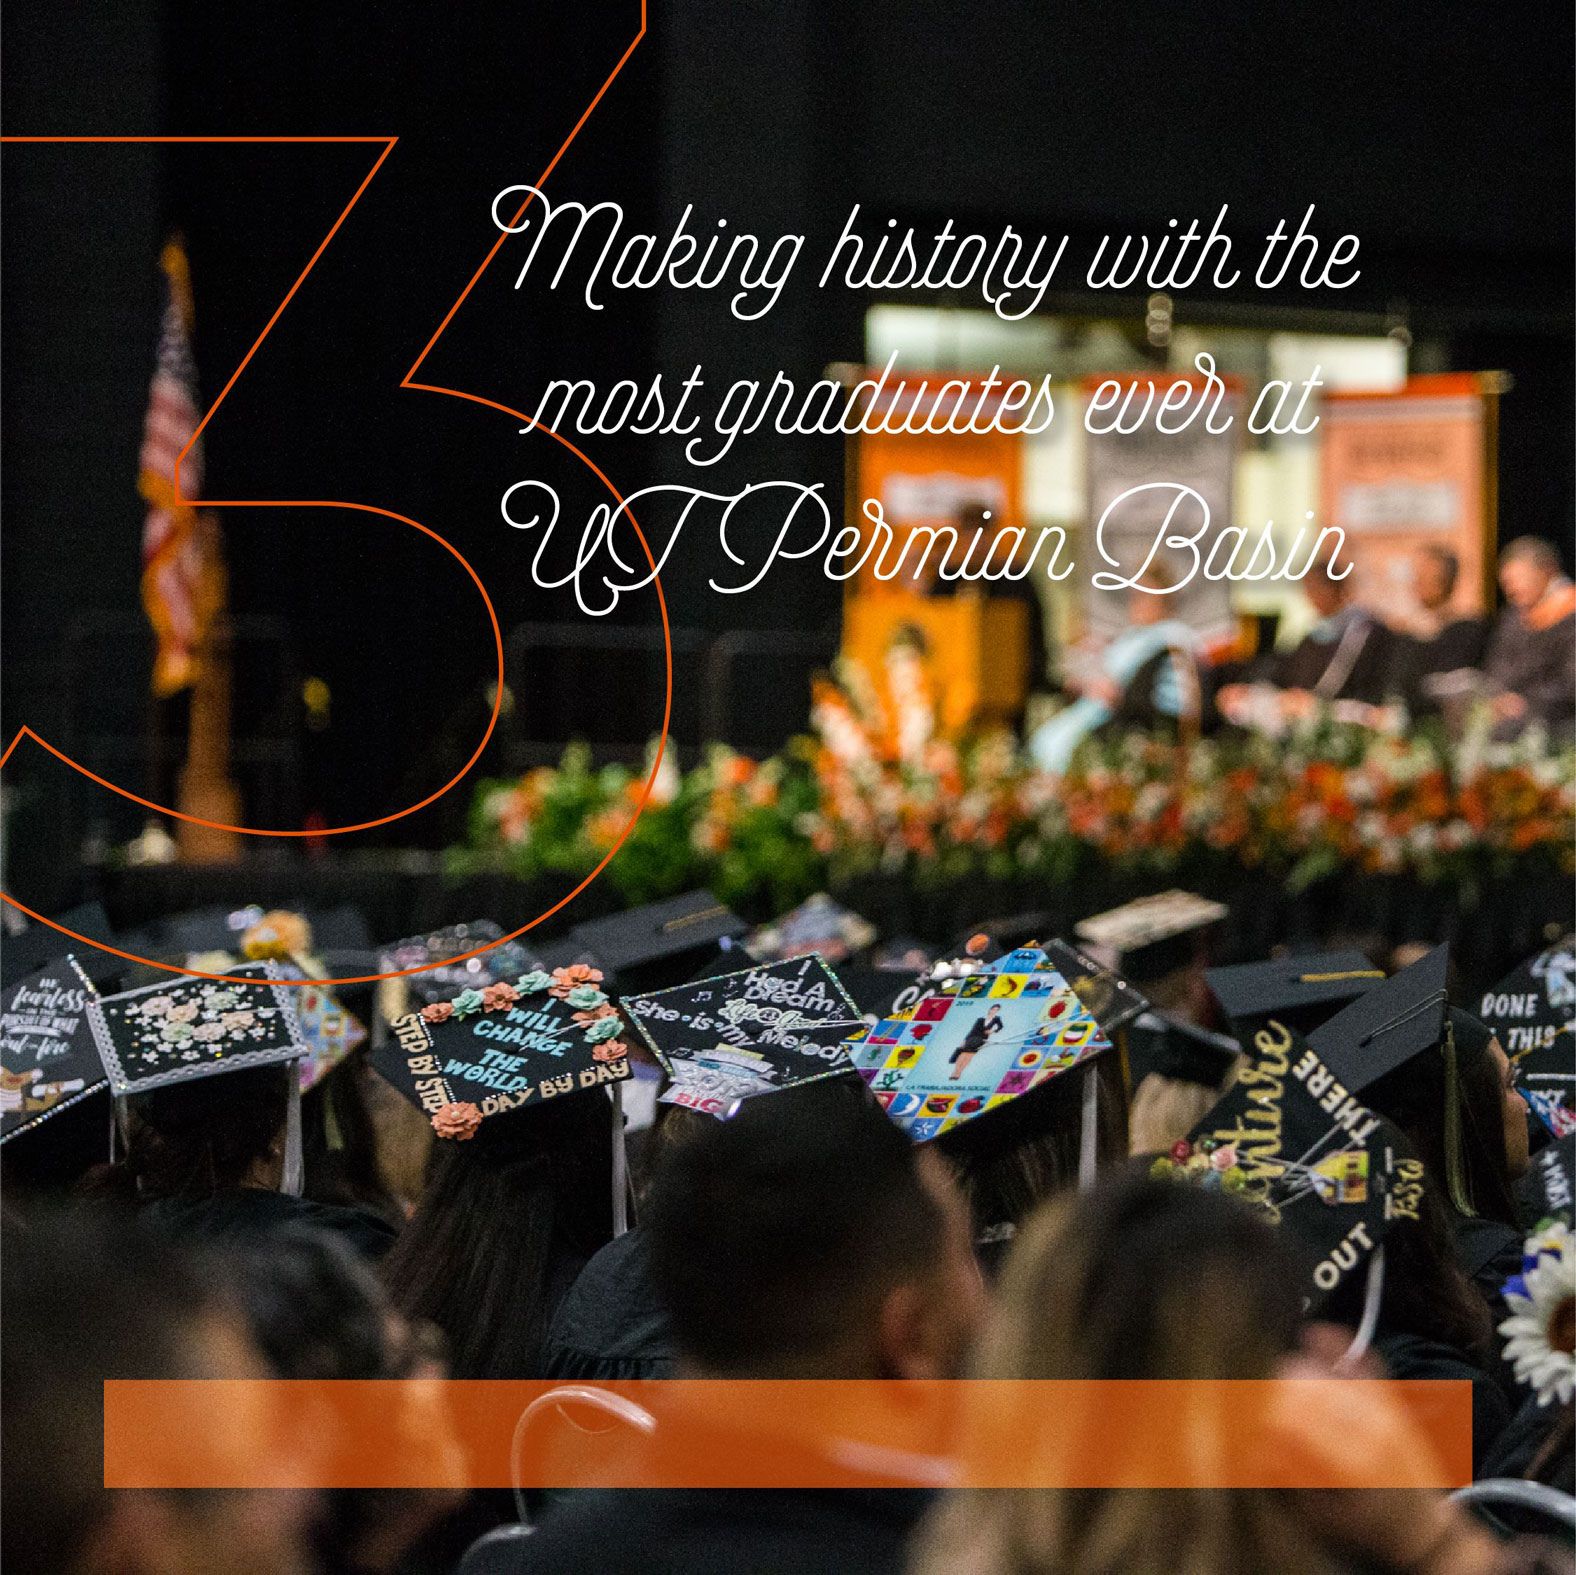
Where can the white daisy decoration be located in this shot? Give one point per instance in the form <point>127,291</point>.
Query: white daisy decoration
<point>1540,1334</point>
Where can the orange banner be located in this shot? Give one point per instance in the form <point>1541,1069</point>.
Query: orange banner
<point>1288,1433</point>
<point>1402,470</point>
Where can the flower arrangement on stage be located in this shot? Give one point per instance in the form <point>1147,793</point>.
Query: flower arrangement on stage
<point>878,790</point>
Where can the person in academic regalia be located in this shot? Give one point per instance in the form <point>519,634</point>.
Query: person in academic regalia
<point>1346,655</point>
<point>508,1220</point>
<point>1437,652</point>
<point>1529,674</point>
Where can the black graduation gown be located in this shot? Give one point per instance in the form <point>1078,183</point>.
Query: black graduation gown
<point>1459,645</point>
<point>1414,1356</point>
<point>247,1213</point>
<point>835,1531</point>
<point>1368,663</point>
<point>611,1324</point>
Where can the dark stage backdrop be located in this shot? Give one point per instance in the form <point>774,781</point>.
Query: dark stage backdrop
<point>1445,145</point>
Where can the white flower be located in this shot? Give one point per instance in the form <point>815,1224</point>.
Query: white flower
<point>1540,1334</point>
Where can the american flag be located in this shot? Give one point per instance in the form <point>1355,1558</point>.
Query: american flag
<point>182,577</point>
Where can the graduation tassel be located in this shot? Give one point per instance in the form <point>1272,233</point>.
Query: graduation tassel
<point>620,1164</point>
<point>292,1179</point>
<point>1089,1136</point>
<point>119,1129</point>
<point>1372,1296</point>
<point>1455,1179</point>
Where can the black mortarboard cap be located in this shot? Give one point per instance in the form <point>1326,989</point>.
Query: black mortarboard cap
<point>659,944</point>
<point>1165,1046</point>
<point>190,1028</point>
<point>1300,991</point>
<point>48,1057</point>
<point>30,949</point>
<point>796,1006</point>
<point>1385,1027</point>
<point>1532,1013</point>
<point>1152,936</point>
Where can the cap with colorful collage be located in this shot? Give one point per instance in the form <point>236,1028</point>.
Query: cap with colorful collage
<point>975,1043</point>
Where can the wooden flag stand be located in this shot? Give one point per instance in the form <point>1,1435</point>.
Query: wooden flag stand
<point>206,787</point>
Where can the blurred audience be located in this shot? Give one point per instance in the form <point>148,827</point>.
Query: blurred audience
<point>88,1297</point>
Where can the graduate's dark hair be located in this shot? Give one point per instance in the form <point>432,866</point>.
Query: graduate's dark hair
<point>1450,1102</point>
<point>339,1145</point>
<point>1028,1151</point>
<point>775,1235</point>
<point>192,1140</point>
<point>507,1220</point>
<point>1425,1292</point>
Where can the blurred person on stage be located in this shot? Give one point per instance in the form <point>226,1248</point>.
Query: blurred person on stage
<point>1438,651</point>
<point>1145,675</point>
<point>1529,674</point>
<point>1346,660</point>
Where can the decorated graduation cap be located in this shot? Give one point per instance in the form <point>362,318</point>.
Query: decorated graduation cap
<point>1532,1013</point>
<point>505,1047</point>
<point>328,1030</point>
<point>1151,936</point>
<point>509,1048</point>
<point>1388,1025</point>
<point>975,1043</point>
<point>1292,1139</point>
<point>1300,991</point>
<point>1108,997</point>
<point>48,1057</point>
<point>1550,1183</point>
<point>818,924</point>
<point>431,983</point>
<point>659,944</point>
<point>190,1029</point>
<point>725,1038</point>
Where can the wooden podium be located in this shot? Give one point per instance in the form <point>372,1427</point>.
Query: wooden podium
<point>976,648</point>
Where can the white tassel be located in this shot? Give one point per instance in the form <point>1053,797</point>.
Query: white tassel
<point>620,1164</point>
<point>293,1178</point>
<point>1089,1136</point>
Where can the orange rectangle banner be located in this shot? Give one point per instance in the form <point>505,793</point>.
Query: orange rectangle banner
<point>1288,1433</point>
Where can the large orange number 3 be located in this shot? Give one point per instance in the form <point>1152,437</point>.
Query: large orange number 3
<point>386,144</point>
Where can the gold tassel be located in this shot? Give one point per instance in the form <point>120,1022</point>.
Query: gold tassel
<point>1455,1169</point>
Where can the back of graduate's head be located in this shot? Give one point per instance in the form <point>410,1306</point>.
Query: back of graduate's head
<point>1457,1104</point>
<point>506,1218</point>
<point>192,1140</point>
<point>1127,1281</point>
<point>808,1237</point>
